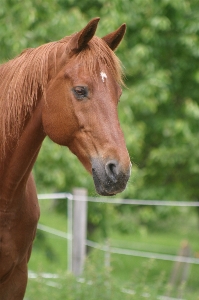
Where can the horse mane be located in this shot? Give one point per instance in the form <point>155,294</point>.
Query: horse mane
<point>24,76</point>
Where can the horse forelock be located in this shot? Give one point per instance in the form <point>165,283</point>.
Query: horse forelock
<point>22,77</point>
<point>98,53</point>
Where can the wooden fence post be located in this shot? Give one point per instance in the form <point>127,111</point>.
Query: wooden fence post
<point>79,230</point>
<point>180,272</point>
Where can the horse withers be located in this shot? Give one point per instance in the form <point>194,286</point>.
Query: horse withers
<point>67,90</point>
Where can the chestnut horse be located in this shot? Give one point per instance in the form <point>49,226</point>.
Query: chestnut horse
<point>67,90</point>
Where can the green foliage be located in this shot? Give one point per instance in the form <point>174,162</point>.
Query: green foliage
<point>57,169</point>
<point>98,282</point>
<point>32,23</point>
<point>163,71</point>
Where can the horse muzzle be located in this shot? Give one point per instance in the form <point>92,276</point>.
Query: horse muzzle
<point>109,177</point>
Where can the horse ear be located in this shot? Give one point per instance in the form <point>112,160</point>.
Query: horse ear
<point>114,38</point>
<point>81,39</point>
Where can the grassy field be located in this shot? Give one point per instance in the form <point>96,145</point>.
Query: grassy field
<point>128,277</point>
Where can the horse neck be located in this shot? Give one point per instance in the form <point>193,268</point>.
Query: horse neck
<point>19,161</point>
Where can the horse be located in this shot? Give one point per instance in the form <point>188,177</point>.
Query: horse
<point>69,91</point>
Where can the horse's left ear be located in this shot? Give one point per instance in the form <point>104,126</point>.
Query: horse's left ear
<point>114,38</point>
<point>80,40</point>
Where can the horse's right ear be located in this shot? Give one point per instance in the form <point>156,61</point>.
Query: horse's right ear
<point>80,40</point>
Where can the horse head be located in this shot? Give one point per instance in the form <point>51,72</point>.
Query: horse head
<point>80,107</point>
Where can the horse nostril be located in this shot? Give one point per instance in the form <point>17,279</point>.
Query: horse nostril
<point>111,168</point>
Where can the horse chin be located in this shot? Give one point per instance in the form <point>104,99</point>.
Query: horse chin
<point>101,191</point>
<point>108,176</point>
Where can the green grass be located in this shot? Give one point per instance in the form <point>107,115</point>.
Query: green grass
<point>127,278</point>
<point>99,282</point>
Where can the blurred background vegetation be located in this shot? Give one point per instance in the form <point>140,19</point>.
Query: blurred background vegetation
<point>159,109</point>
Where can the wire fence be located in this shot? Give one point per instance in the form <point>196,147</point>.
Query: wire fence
<point>116,250</point>
<point>181,258</point>
<point>111,200</point>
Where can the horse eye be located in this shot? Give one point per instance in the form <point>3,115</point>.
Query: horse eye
<point>80,92</point>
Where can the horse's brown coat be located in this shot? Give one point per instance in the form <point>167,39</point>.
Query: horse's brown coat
<point>38,98</point>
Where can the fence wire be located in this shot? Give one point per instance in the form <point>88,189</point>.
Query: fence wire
<point>120,201</point>
<point>137,253</point>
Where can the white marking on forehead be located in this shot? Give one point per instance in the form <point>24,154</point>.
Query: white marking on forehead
<point>103,76</point>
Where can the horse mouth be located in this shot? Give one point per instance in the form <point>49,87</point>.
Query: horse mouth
<point>99,186</point>
<point>109,178</point>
